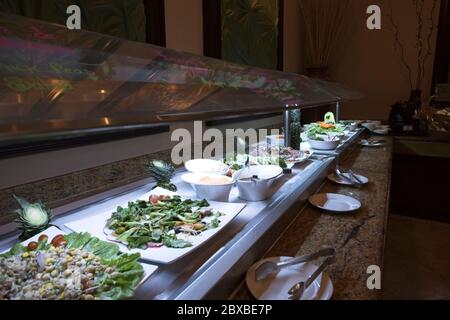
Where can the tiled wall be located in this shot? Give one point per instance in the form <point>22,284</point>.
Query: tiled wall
<point>60,190</point>
<point>70,187</point>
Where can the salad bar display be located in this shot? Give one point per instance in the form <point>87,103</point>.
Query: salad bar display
<point>126,89</point>
<point>98,258</point>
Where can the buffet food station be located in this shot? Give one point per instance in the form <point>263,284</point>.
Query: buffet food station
<point>59,83</point>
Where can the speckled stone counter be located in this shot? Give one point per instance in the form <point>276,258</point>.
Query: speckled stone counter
<point>358,237</point>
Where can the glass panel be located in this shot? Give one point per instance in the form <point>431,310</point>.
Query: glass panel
<point>53,79</point>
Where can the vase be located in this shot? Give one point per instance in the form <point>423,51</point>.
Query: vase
<point>415,99</point>
<point>318,72</point>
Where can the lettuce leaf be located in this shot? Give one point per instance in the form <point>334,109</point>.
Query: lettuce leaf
<point>129,272</point>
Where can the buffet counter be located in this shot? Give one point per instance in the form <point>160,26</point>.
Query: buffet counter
<point>215,269</point>
<point>358,238</point>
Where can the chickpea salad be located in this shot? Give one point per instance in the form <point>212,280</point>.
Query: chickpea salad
<point>75,266</point>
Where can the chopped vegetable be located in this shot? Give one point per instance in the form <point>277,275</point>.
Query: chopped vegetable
<point>32,246</point>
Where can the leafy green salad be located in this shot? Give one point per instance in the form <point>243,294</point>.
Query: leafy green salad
<point>162,220</point>
<point>328,127</point>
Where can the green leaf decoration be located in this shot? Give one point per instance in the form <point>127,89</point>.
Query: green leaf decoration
<point>31,218</point>
<point>162,172</point>
<point>119,18</point>
<point>250,32</point>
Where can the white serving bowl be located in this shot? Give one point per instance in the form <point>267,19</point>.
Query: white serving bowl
<point>369,125</point>
<point>257,189</point>
<point>332,134</point>
<point>381,131</point>
<point>324,145</point>
<point>206,166</point>
<point>210,186</point>
<point>377,122</point>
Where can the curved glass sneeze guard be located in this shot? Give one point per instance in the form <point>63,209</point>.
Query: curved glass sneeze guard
<point>56,80</point>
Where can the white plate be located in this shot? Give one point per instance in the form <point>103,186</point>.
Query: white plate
<point>381,130</point>
<point>94,225</point>
<point>366,143</point>
<point>358,122</point>
<point>333,177</point>
<point>51,232</point>
<point>276,286</point>
<point>335,202</point>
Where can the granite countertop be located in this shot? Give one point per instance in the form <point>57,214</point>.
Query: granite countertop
<point>433,136</point>
<point>358,237</point>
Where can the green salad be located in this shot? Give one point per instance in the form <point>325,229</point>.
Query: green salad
<point>161,221</point>
<point>76,266</point>
<point>328,127</point>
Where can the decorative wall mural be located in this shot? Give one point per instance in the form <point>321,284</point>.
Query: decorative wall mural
<point>250,32</point>
<point>123,19</point>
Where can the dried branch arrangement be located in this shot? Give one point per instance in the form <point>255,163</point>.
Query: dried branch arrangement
<point>423,44</point>
<point>324,24</point>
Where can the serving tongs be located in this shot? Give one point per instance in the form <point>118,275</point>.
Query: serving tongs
<point>349,176</point>
<point>270,267</point>
<point>372,142</point>
<point>297,290</point>
<point>246,167</point>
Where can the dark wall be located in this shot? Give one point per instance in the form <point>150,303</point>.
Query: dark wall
<point>420,187</point>
<point>441,72</point>
<point>124,19</point>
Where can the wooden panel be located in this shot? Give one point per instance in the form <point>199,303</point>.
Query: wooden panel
<point>441,71</point>
<point>155,22</point>
<point>423,148</point>
<point>420,187</point>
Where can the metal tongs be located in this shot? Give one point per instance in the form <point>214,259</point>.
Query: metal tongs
<point>245,167</point>
<point>269,267</point>
<point>349,176</point>
<point>299,288</point>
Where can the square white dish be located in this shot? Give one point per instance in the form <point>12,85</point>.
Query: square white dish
<point>94,224</point>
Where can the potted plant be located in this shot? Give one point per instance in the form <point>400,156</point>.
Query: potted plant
<point>324,27</point>
<point>426,26</point>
